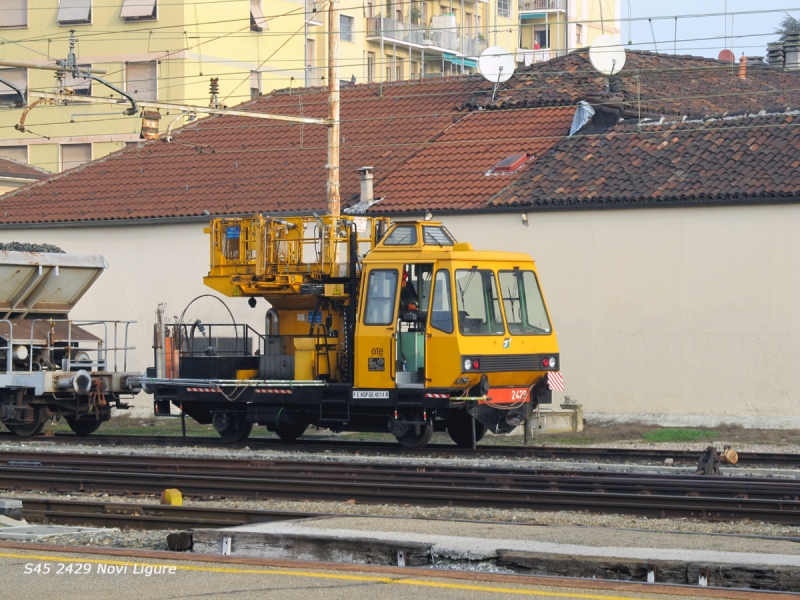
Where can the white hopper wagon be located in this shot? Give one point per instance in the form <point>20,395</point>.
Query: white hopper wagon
<point>50,365</point>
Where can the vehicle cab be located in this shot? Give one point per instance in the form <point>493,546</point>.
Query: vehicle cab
<point>434,314</point>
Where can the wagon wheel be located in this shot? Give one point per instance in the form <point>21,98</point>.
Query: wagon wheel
<point>411,440</point>
<point>232,427</point>
<point>35,426</point>
<point>289,432</point>
<point>460,430</point>
<point>83,427</point>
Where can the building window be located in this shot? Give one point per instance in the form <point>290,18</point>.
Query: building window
<point>399,74</point>
<point>414,70</point>
<point>17,77</point>
<point>14,13</point>
<point>139,10</point>
<point>503,8</point>
<point>72,12</point>
<point>346,28</point>
<point>17,153</point>
<point>75,155</point>
<point>388,72</point>
<point>370,67</point>
<point>578,35</point>
<point>370,10</point>
<point>141,80</point>
<point>399,15</point>
<point>82,86</point>
<point>255,84</point>
<point>540,37</point>
<point>257,20</point>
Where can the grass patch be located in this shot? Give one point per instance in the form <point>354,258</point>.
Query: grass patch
<point>677,434</point>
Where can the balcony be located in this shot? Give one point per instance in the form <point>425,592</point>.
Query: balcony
<point>393,30</point>
<point>542,5</point>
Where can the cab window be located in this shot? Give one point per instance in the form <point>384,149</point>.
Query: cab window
<point>478,303</point>
<point>381,293</point>
<point>442,304</point>
<point>402,235</point>
<point>523,303</point>
<point>436,236</point>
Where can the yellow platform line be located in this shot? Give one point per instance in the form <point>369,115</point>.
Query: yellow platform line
<point>335,576</point>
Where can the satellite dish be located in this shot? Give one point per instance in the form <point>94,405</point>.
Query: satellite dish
<point>496,64</point>
<point>607,55</point>
<point>727,56</point>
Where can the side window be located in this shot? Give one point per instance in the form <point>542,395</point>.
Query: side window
<point>442,305</point>
<point>402,235</point>
<point>381,293</point>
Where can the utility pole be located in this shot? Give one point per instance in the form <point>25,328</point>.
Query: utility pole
<point>332,189</point>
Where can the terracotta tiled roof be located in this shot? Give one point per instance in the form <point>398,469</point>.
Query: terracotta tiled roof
<point>650,83</point>
<point>453,171</point>
<point>432,142</point>
<point>714,161</point>
<point>17,170</point>
<point>229,165</point>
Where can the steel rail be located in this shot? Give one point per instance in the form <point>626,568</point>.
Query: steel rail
<point>489,477</point>
<point>432,450</point>
<point>147,516</point>
<point>672,496</point>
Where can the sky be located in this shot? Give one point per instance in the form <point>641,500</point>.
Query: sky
<point>704,36</point>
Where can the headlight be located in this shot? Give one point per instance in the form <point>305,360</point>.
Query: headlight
<point>467,364</point>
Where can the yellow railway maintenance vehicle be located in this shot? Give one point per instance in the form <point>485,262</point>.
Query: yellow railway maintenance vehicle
<point>373,326</point>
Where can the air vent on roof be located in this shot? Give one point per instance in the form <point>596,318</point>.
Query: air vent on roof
<point>510,164</point>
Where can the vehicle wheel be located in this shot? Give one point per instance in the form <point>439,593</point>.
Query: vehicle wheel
<point>289,432</point>
<point>83,427</point>
<point>34,427</point>
<point>460,430</point>
<point>232,427</point>
<point>412,440</point>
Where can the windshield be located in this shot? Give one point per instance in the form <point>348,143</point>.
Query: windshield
<point>478,303</point>
<point>523,303</point>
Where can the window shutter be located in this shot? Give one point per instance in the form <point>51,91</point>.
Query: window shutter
<point>18,77</point>
<point>74,155</point>
<point>141,80</point>
<point>138,9</point>
<point>14,13</point>
<point>257,19</point>
<point>74,11</point>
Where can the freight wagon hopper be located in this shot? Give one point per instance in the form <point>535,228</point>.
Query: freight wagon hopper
<point>50,365</point>
<point>371,326</point>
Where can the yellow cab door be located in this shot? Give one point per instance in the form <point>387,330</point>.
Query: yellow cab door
<point>442,357</point>
<point>375,332</point>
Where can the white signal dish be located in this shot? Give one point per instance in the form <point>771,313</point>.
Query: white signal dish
<point>496,64</point>
<point>607,55</point>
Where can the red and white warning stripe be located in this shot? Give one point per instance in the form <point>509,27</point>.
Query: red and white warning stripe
<point>194,389</point>
<point>431,395</point>
<point>272,391</point>
<point>555,381</point>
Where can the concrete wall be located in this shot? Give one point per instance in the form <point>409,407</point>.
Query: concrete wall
<point>671,316</point>
<point>688,312</point>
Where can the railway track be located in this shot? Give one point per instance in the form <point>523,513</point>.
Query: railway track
<point>146,516</point>
<point>432,450</point>
<point>708,498</point>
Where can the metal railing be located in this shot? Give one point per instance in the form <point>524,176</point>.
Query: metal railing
<point>403,31</point>
<point>543,5</point>
<point>115,332</point>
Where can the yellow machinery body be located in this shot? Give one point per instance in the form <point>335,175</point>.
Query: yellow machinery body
<point>371,324</point>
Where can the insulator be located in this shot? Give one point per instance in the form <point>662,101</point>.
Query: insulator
<point>214,87</point>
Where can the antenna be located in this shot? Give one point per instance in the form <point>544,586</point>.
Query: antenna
<point>496,65</point>
<point>607,55</point>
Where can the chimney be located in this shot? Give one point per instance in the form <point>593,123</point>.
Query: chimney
<point>365,174</point>
<point>791,52</point>
<point>743,67</point>
<point>775,55</point>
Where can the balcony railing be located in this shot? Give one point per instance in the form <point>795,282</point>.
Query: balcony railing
<point>403,31</point>
<point>543,5</point>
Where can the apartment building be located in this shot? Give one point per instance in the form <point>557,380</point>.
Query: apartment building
<point>167,50</point>
<point>151,49</point>
<point>388,40</point>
